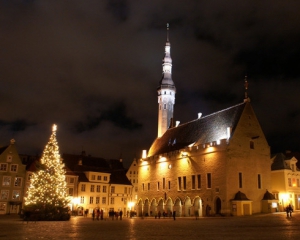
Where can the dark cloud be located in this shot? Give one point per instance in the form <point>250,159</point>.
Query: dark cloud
<point>116,114</point>
<point>17,125</point>
<point>271,61</point>
<point>119,9</point>
<point>56,54</point>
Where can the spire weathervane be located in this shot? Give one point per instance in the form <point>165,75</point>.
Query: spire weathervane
<point>246,88</point>
<point>168,25</point>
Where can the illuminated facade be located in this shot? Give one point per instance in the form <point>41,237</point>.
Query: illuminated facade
<point>166,92</point>
<point>286,181</point>
<point>12,177</point>
<point>102,184</point>
<point>215,164</point>
<point>132,175</point>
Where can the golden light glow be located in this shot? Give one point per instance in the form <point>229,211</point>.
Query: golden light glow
<point>184,154</point>
<point>144,154</point>
<point>48,185</point>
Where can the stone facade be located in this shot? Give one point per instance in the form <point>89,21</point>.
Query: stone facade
<point>200,173</point>
<point>12,178</point>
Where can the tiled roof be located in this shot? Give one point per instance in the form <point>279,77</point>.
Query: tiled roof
<point>119,177</point>
<point>71,160</point>
<point>206,129</point>
<point>268,196</point>
<point>279,162</point>
<point>240,196</point>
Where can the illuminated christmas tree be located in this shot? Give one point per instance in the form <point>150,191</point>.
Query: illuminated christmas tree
<point>48,191</point>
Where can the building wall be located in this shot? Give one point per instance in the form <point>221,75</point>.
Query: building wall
<point>132,175</point>
<point>12,177</point>
<point>97,193</point>
<point>224,162</point>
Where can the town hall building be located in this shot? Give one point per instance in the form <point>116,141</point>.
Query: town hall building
<point>215,164</point>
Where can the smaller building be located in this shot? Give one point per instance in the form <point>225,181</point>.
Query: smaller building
<point>102,184</point>
<point>12,177</point>
<point>132,175</point>
<point>285,179</point>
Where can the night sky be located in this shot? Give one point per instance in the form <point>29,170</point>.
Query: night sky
<point>92,67</point>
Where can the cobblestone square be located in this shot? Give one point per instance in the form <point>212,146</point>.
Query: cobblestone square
<point>261,226</point>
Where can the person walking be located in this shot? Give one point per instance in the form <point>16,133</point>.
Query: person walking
<point>174,215</point>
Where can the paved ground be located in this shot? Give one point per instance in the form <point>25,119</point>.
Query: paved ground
<point>262,226</point>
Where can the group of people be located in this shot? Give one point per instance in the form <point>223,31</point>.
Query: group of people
<point>165,214</point>
<point>289,210</point>
<point>97,214</point>
<point>115,215</point>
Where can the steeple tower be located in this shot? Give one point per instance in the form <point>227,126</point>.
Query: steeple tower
<point>166,91</point>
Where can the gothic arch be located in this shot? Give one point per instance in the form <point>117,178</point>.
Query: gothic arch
<point>153,207</point>
<point>218,205</point>
<point>140,207</point>
<point>197,204</point>
<point>178,207</point>
<point>169,206</point>
<point>146,207</point>
<point>160,205</point>
<point>187,206</point>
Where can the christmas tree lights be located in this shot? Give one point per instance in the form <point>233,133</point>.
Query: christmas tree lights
<point>48,189</point>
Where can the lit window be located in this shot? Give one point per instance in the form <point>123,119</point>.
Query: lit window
<point>3,167</point>
<point>289,182</point>
<point>82,199</point>
<point>14,167</point>
<point>71,191</point>
<point>18,182</point>
<point>16,195</point>
<point>4,195</point>
<point>6,181</point>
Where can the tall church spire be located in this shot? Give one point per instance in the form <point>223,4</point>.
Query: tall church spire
<point>166,91</point>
